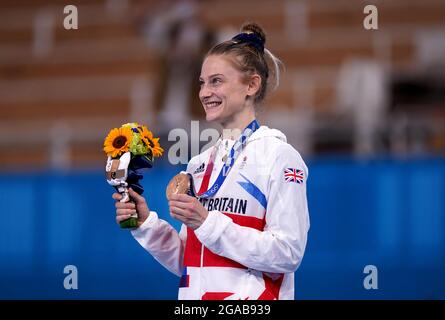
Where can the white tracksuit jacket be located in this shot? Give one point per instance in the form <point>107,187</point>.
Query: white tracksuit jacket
<point>255,234</point>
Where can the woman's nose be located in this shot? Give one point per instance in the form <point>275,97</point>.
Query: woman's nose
<point>204,92</point>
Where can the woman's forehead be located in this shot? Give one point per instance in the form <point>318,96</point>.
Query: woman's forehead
<point>217,64</point>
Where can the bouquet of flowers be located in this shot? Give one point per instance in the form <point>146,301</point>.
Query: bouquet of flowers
<point>130,149</point>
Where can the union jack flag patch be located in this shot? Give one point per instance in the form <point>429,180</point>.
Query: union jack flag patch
<point>293,175</point>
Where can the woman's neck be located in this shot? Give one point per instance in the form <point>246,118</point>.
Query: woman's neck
<point>232,129</point>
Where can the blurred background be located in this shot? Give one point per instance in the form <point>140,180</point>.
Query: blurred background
<point>365,108</point>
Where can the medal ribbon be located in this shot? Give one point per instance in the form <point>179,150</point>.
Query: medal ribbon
<point>234,152</point>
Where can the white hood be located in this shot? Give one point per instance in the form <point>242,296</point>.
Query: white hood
<point>265,131</point>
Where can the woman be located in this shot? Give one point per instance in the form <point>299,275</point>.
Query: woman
<point>245,233</point>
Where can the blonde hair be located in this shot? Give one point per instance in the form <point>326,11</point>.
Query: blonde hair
<point>250,57</point>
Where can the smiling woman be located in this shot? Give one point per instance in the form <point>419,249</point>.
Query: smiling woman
<point>235,77</point>
<point>223,93</point>
<point>244,231</point>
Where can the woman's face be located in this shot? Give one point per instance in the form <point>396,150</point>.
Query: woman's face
<point>222,92</point>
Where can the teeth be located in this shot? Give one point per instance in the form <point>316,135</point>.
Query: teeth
<point>213,104</point>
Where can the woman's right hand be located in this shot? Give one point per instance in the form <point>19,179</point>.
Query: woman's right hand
<point>124,210</point>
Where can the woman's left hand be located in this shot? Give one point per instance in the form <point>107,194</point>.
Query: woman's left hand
<point>188,210</point>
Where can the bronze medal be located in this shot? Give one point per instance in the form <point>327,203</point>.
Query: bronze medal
<point>182,183</point>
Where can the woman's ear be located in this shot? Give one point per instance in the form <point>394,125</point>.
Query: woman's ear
<point>254,85</point>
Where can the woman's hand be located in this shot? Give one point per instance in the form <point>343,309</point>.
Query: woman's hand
<point>124,210</point>
<point>188,210</point>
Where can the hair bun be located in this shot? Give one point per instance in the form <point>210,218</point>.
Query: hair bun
<point>256,29</point>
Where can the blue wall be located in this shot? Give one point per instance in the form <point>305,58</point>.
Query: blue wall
<point>386,213</point>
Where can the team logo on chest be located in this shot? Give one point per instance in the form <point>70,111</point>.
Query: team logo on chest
<point>200,168</point>
<point>243,164</point>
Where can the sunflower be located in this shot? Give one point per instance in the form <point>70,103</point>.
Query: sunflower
<point>151,142</point>
<point>118,141</point>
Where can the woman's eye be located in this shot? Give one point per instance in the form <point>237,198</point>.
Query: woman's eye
<point>216,80</point>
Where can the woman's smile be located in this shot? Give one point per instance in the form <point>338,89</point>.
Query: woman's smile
<point>212,105</point>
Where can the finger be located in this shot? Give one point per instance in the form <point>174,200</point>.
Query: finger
<point>179,211</point>
<point>116,196</point>
<point>123,212</point>
<point>119,219</point>
<point>136,196</point>
<point>179,204</point>
<point>177,217</point>
<point>182,197</point>
<point>125,205</point>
